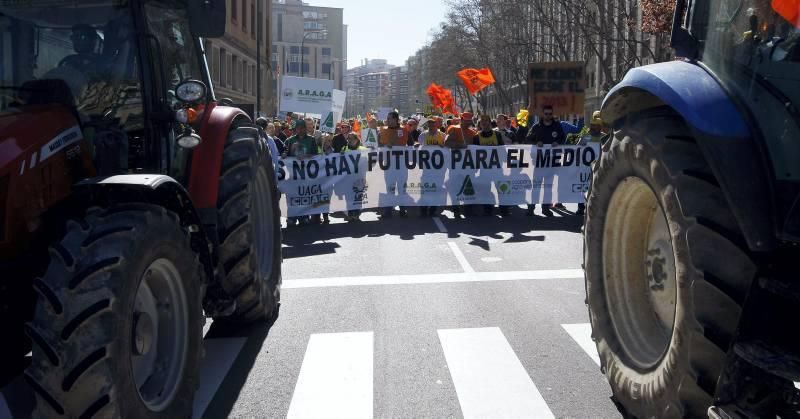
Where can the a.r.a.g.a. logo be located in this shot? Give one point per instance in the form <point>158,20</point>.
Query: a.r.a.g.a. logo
<point>288,92</point>
<point>467,190</point>
<point>314,93</point>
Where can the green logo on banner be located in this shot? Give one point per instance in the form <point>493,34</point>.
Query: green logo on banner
<point>371,137</point>
<point>329,121</point>
<point>466,188</point>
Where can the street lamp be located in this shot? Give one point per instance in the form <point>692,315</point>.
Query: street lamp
<point>302,43</point>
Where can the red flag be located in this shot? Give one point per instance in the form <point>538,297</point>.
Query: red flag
<point>357,127</point>
<point>442,98</point>
<point>476,80</point>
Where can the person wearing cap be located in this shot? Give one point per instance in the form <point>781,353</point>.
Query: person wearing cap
<point>595,135</point>
<point>302,146</point>
<point>85,42</point>
<point>431,138</point>
<point>353,144</point>
<point>458,136</point>
<point>489,138</point>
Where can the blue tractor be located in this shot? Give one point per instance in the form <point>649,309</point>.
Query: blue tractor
<point>693,220</point>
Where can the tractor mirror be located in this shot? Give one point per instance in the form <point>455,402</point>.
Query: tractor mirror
<point>207,18</point>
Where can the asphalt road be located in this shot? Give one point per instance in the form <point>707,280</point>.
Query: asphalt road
<point>417,317</point>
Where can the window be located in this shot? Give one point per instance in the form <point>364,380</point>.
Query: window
<point>234,11</point>
<point>294,49</point>
<point>305,50</point>
<point>326,52</point>
<point>244,15</point>
<point>168,22</point>
<point>223,75</point>
<point>229,70</point>
<point>280,27</point>
<point>215,64</point>
<point>253,28</point>
<point>326,68</point>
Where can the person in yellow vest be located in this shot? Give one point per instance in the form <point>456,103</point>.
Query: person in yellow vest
<point>491,138</point>
<point>432,136</point>
<point>353,144</point>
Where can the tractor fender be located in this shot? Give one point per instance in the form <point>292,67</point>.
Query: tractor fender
<point>686,88</point>
<point>207,157</point>
<point>152,189</point>
<point>719,127</point>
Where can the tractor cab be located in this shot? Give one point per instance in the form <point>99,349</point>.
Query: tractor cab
<point>109,67</point>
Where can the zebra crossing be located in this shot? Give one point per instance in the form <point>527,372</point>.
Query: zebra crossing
<point>336,377</point>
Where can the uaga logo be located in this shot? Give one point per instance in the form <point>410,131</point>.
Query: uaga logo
<point>310,196</point>
<point>360,188</point>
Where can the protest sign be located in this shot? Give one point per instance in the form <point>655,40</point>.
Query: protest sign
<point>558,84</point>
<point>369,138</point>
<point>306,95</point>
<point>433,176</point>
<point>330,120</point>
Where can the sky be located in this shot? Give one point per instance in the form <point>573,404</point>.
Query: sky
<point>393,30</point>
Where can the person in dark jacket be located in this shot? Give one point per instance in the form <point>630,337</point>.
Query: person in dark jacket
<point>546,131</point>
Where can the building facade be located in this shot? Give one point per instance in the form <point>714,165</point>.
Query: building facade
<point>368,87</point>
<point>307,41</point>
<point>398,90</point>
<point>232,58</point>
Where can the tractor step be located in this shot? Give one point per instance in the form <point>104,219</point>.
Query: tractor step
<point>771,359</point>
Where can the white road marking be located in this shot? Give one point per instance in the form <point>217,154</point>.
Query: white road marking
<point>439,224</point>
<point>582,334</point>
<point>797,385</point>
<point>490,380</point>
<point>460,258</point>
<point>220,356</point>
<point>352,281</point>
<point>492,259</point>
<point>336,377</point>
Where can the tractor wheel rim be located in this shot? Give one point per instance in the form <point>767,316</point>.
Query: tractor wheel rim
<point>639,273</point>
<point>159,335</point>
<point>263,226</point>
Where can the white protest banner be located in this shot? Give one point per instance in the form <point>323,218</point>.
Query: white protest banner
<point>306,95</point>
<point>369,138</point>
<point>434,176</point>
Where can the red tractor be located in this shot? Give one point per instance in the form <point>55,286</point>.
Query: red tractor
<point>131,204</point>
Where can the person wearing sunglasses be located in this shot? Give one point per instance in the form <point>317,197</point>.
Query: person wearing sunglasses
<point>546,131</point>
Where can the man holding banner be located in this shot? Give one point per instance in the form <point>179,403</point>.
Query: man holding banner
<point>393,135</point>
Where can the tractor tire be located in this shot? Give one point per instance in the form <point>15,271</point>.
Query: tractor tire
<point>666,269</point>
<point>249,227</point>
<point>119,322</point>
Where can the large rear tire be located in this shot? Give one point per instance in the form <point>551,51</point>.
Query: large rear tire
<point>666,270</point>
<point>119,320</point>
<point>249,227</point>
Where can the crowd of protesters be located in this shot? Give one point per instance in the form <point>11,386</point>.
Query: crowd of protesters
<point>300,138</point>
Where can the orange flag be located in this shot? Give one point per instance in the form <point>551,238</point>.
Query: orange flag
<point>357,127</point>
<point>442,98</point>
<point>476,80</point>
<point>788,9</point>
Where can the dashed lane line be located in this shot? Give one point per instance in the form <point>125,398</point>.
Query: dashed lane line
<point>462,260</point>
